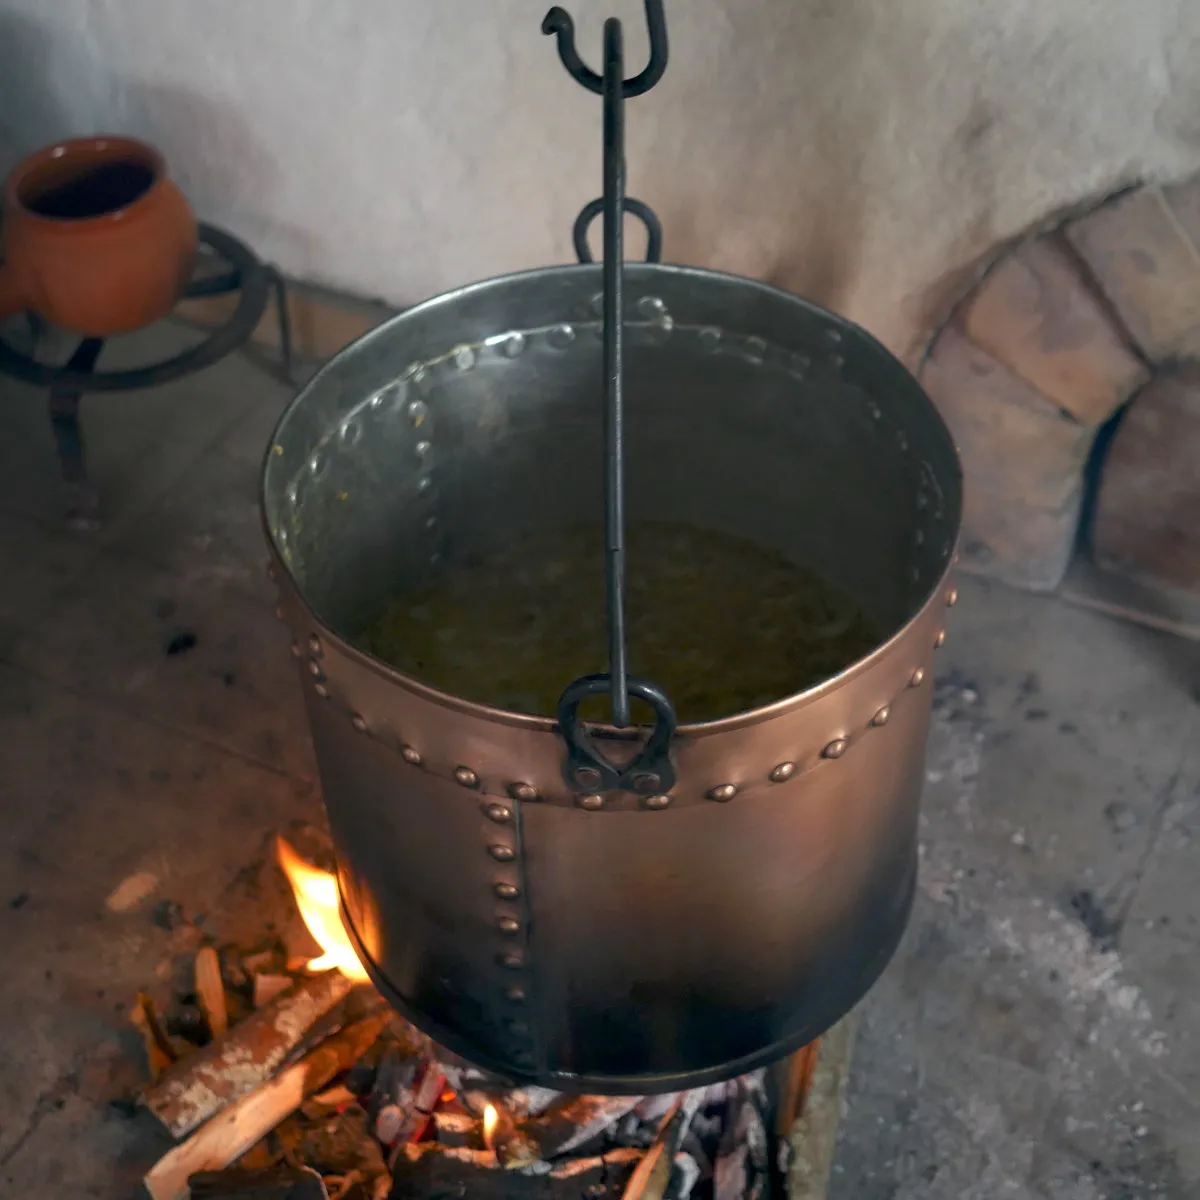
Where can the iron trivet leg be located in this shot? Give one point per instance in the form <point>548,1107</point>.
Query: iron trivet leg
<point>84,511</point>
<point>279,286</point>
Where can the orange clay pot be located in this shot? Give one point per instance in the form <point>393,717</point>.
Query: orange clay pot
<point>95,237</point>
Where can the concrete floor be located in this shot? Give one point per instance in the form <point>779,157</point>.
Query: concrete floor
<point>1038,1035</point>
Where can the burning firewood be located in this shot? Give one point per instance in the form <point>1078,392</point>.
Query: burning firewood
<point>223,1139</point>
<point>194,1089</point>
<point>279,1183</point>
<point>339,1144</point>
<point>653,1173</point>
<point>267,987</point>
<point>797,1079</point>
<point>160,1054</point>
<point>326,1102</point>
<point>685,1174</point>
<point>210,991</point>
<point>568,1122</point>
<point>743,1160</point>
<point>432,1170</point>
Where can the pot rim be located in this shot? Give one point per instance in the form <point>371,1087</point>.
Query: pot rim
<point>100,147</point>
<point>549,724</point>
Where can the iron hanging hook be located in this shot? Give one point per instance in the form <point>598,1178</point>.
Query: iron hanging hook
<point>558,22</point>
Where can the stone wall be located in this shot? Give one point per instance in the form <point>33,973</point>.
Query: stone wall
<point>1094,319</point>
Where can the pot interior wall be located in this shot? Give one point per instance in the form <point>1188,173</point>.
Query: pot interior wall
<point>477,417</point>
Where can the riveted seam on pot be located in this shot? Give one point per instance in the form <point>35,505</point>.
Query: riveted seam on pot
<point>508,916</point>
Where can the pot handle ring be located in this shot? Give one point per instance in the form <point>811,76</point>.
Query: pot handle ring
<point>587,769</point>
<point>648,217</point>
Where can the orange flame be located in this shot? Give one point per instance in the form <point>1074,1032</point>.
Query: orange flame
<point>317,899</point>
<point>490,1119</point>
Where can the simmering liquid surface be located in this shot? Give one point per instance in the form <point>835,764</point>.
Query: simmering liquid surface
<point>94,192</point>
<point>720,623</point>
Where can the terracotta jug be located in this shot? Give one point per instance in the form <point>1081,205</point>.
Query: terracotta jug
<point>96,238</point>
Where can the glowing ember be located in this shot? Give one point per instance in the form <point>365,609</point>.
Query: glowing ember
<point>317,899</point>
<point>490,1119</point>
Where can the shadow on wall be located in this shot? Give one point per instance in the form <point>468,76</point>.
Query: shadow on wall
<point>54,85</point>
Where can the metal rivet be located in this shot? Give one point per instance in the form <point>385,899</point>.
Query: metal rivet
<point>835,749</point>
<point>586,777</point>
<point>561,336</point>
<point>783,772</point>
<point>295,649</point>
<point>314,669</point>
<point>314,646</point>
<point>646,784</point>
<point>464,358</point>
<point>515,993</point>
<point>410,755</point>
<point>508,925</point>
<point>590,802</point>
<point>940,640</point>
<point>359,722</point>
<point>710,339</point>
<point>421,449</point>
<point>952,597</point>
<point>512,960</point>
<point>417,410</point>
<point>881,717</point>
<point>322,691</point>
<point>506,891</point>
<point>514,344</point>
<point>756,349</point>
<point>662,800</point>
<point>523,791</point>
<point>502,853</point>
<point>466,777</point>
<point>722,792</point>
<point>498,813</point>
<point>917,677</point>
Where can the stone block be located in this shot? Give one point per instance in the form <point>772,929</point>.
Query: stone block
<point>1147,518</point>
<point>1148,268</point>
<point>1035,314</point>
<point>1023,462</point>
<point>1183,199</point>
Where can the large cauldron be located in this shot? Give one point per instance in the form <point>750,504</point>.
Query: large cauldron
<point>651,942</point>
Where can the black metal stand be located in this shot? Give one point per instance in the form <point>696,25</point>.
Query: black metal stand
<point>247,274</point>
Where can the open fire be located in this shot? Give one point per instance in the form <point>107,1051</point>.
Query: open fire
<point>317,899</point>
<point>320,1090</point>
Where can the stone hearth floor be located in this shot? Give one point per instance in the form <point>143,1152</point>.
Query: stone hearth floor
<point>1037,1036</point>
